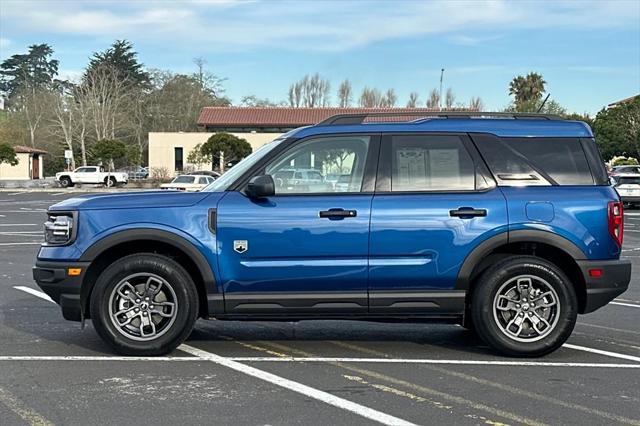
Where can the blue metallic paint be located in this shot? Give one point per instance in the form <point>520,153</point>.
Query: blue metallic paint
<point>290,247</point>
<point>418,226</point>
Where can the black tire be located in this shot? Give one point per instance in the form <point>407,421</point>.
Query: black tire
<point>110,182</point>
<point>65,182</point>
<point>184,291</point>
<point>487,319</point>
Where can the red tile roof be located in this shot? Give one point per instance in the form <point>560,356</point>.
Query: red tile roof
<point>623,101</point>
<point>21,149</point>
<point>281,116</point>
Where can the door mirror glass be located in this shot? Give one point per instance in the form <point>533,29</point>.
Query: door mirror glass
<point>261,187</point>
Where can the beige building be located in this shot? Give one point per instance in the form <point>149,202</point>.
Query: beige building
<point>170,150</point>
<point>30,165</point>
<point>258,125</point>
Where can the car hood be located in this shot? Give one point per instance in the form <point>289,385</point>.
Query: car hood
<point>134,200</point>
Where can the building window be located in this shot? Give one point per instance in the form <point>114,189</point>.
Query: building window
<point>177,155</point>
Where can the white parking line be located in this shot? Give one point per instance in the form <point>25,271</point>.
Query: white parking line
<point>361,410</point>
<point>19,232</point>
<point>601,352</point>
<point>20,224</point>
<point>34,292</point>
<point>321,359</point>
<point>625,304</point>
<point>32,243</point>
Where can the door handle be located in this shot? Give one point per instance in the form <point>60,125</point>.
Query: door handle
<point>467,212</point>
<point>336,214</point>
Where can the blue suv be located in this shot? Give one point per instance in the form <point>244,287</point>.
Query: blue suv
<point>505,224</point>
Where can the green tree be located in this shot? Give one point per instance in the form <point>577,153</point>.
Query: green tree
<point>33,70</point>
<point>7,154</point>
<point>108,151</point>
<point>617,130</point>
<point>124,60</point>
<point>527,90</point>
<point>226,145</point>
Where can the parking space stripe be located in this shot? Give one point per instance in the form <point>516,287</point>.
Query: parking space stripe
<point>34,292</point>
<point>361,410</point>
<point>601,352</point>
<point>31,243</point>
<point>631,305</point>
<point>22,410</point>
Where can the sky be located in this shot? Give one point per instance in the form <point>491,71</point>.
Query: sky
<point>588,51</point>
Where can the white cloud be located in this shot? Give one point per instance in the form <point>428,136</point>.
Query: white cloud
<point>336,26</point>
<point>4,42</point>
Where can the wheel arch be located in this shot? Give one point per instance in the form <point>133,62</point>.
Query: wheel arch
<point>546,245</point>
<point>147,240</point>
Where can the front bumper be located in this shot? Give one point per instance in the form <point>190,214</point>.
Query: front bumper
<point>616,275</point>
<point>54,280</point>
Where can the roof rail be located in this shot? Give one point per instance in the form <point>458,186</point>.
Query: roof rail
<point>359,118</point>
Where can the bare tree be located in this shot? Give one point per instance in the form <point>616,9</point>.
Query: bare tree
<point>345,94</point>
<point>476,104</point>
<point>200,63</point>
<point>434,99</point>
<point>370,98</point>
<point>295,94</point>
<point>82,104</point>
<point>449,99</point>
<point>63,122</point>
<point>413,100</point>
<point>310,91</point>
<point>389,99</point>
<point>32,104</point>
<point>107,93</point>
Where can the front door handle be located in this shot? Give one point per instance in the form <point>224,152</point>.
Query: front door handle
<point>338,214</point>
<point>467,212</point>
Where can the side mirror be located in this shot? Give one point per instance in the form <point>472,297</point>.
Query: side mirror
<point>261,187</point>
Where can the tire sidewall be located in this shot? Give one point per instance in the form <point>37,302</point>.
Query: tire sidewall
<point>490,283</point>
<point>164,267</point>
<point>65,182</point>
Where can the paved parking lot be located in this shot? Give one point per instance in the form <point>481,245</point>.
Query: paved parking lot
<point>334,372</point>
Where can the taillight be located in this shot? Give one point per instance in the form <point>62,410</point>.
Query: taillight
<point>616,221</point>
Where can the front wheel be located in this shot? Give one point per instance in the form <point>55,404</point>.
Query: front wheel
<point>524,306</point>
<point>144,304</point>
<point>110,181</point>
<point>65,182</point>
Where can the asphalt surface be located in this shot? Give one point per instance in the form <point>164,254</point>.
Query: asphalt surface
<point>250,373</point>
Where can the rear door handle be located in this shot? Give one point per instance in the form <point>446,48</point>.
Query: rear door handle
<point>467,212</point>
<point>338,214</point>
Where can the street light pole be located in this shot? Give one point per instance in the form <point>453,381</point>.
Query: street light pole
<point>440,96</point>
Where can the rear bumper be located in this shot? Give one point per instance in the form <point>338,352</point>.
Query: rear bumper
<point>53,279</point>
<point>616,275</point>
<point>630,198</point>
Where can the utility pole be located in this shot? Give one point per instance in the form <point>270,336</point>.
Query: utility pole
<point>440,95</point>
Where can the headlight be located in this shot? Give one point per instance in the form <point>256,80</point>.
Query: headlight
<point>59,229</point>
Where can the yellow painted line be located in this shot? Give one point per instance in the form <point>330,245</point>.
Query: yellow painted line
<point>425,390</point>
<point>22,410</point>
<point>503,387</point>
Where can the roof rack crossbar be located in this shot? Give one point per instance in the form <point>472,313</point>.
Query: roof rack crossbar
<point>359,118</point>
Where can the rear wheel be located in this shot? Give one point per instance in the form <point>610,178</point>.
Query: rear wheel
<point>524,306</point>
<point>110,181</point>
<point>65,182</point>
<point>144,304</point>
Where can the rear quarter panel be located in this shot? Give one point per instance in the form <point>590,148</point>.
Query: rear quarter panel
<point>577,213</point>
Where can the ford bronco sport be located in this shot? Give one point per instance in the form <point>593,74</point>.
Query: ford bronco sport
<point>505,224</point>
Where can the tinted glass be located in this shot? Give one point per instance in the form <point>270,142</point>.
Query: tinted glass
<point>430,163</point>
<point>184,179</point>
<point>303,168</point>
<point>629,181</point>
<point>536,161</point>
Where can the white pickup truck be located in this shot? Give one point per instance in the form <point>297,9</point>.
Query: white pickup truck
<point>91,175</point>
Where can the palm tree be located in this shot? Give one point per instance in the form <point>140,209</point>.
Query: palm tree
<point>528,89</point>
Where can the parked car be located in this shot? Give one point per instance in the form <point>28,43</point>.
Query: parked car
<point>504,225</point>
<point>188,183</point>
<point>138,173</point>
<point>91,175</point>
<point>622,170</point>
<point>628,187</point>
<point>211,173</point>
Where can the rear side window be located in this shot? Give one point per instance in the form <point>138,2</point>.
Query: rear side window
<point>535,161</point>
<point>431,163</point>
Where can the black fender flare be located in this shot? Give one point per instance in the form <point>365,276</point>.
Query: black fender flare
<point>213,294</point>
<point>526,235</point>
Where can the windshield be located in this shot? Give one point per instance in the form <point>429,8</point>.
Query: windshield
<point>629,181</point>
<point>224,181</point>
<point>184,179</point>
